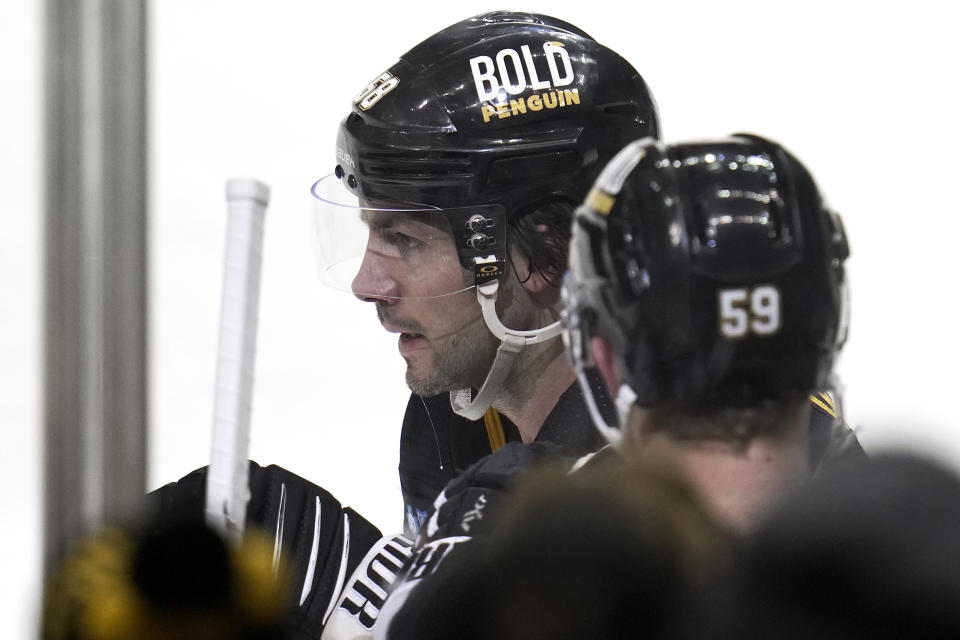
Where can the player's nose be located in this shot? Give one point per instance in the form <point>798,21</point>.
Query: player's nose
<point>374,282</point>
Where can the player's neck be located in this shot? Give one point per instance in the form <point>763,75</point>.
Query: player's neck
<point>740,482</point>
<point>540,377</point>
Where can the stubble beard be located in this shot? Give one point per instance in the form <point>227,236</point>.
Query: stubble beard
<point>460,361</point>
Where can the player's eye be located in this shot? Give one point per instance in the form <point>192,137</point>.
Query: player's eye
<point>402,242</point>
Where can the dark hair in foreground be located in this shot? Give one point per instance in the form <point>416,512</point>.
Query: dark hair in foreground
<point>869,549</point>
<point>605,552</point>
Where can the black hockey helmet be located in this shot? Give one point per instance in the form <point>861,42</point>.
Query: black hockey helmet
<point>713,268</point>
<point>485,120</point>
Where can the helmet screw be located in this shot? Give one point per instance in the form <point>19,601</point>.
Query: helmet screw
<point>338,172</point>
<point>352,182</point>
<point>479,241</point>
<point>477,222</point>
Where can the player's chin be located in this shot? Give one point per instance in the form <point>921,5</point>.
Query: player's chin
<point>422,382</point>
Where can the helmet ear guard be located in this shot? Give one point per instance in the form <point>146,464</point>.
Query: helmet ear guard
<point>592,294</point>
<point>580,318</point>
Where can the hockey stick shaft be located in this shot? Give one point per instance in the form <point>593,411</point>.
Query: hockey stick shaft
<point>227,479</point>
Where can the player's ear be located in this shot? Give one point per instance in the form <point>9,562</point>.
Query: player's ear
<point>532,279</point>
<point>606,363</point>
<point>535,282</point>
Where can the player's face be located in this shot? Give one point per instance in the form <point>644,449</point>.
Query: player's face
<point>443,338</point>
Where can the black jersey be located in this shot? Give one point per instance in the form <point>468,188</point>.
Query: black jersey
<point>324,542</point>
<point>437,445</point>
<point>469,505</point>
<point>830,437</point>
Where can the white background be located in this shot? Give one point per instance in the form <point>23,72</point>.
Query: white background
<point>864,93</point>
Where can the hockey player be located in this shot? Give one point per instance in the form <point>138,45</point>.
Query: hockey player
<point>707,280</point>
<point>458,170</point>
<point>457,174</point>
<point>459,184</point>
<point>707,284</point>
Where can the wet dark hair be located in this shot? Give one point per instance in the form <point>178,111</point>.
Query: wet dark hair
<point>542,237</point>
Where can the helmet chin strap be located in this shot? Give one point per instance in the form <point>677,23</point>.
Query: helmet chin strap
<point>512,343</point>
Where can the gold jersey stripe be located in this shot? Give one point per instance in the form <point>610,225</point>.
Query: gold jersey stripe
<point>494,429</point>
<point>827,400</point>
<point>826,408</point>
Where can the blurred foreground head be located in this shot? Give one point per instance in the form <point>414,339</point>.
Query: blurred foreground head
<point>867,550</point>
<point>178,580</point>
<point>614,549</point>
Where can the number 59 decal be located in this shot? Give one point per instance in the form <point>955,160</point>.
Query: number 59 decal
<point>744,311</point>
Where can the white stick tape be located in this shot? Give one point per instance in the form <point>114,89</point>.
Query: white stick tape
<point>228,488</point>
